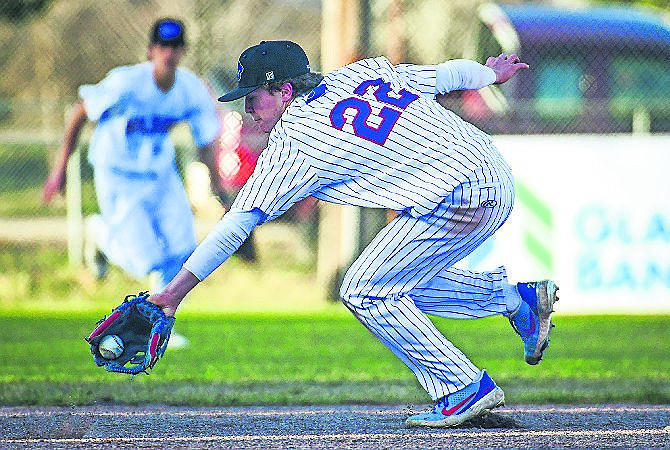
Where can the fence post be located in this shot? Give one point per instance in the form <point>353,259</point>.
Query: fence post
<point>341,35</point>
<point>641,120</point>
<point>75,217</point>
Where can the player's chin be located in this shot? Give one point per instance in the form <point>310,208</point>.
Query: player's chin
<point>263,126</point>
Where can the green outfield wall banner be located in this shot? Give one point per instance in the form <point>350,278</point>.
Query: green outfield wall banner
<point>593,213</point>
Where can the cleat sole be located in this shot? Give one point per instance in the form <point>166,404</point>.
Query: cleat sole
<point>493,399</point>
<point>547,295</point>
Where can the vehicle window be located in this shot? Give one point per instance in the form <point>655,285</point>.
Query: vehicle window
<point>559,92</point>
<point>639,81</point>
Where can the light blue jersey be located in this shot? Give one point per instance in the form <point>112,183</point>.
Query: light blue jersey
<point>147,223</point>
<point>134,118</point>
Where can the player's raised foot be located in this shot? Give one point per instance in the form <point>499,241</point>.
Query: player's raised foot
<point>474,400</point>
<point>95,259</point>
<point>532,320</point>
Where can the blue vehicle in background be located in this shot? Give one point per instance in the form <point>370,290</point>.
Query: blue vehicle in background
<point>592,70</point>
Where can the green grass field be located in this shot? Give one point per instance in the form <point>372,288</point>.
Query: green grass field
<point>267,335</point>
<point>328,358</point>
<point>24,169</point>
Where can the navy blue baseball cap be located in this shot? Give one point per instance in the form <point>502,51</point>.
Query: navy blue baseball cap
<point>168,32</point>
<point>266,62</point>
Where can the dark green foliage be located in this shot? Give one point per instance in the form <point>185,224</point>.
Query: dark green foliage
<point>18,10</point>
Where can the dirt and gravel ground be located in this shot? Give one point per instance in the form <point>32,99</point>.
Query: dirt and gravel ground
<point>345,427</point>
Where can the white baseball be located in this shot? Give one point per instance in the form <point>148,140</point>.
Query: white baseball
<point>111,347</point>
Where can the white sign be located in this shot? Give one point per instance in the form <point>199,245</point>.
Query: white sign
<point>592,213</point>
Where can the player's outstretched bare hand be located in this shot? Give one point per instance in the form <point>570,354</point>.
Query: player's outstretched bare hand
<point>164,302</point>
<point>53,186</point>
<point>505,66</point>
<point>173,294</point>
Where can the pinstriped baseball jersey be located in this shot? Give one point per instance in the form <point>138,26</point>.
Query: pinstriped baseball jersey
<point>373,137</point>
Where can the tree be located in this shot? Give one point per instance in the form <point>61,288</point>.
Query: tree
<point>661,4</point>
<point>18,10</point>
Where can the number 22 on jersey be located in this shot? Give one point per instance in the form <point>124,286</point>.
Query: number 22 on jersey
<point>389,114</point>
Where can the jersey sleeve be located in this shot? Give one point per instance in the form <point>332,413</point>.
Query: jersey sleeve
<point>421,79</point>
<point>282,177</point>
<point>462,74</point>
<point>222,241</point>
<point>203,118</point>
<point>108,93</point>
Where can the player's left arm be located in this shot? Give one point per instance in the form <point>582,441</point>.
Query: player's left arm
<point>464,74</point>
<point>173,294</point>
<point>207,154</point>
<point>205,125</point>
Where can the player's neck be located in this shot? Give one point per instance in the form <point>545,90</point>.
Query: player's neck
<point>287,104</point>
<point>164,79</point>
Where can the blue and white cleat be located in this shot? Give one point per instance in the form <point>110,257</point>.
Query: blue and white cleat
<point>532,320</point>
<point>474,400</point>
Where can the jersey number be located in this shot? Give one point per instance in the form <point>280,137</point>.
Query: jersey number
<point>389,116</point>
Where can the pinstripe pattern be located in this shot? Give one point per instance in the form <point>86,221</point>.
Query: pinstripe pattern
<point>429,152</point>
<point>406,272</point>
<point>377,138</point>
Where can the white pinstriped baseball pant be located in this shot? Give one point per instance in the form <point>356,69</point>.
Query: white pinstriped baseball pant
<point>406,272</point>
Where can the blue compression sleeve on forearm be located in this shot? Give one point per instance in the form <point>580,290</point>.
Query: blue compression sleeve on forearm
<point>462,74</point>
<point>222,241</point>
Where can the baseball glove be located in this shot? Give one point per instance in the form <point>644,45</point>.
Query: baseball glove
<point>144,330</point>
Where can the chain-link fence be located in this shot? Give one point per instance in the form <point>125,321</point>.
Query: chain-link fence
<point>592,71</point>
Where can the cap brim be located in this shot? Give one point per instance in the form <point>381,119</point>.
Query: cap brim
<point>237,93</point>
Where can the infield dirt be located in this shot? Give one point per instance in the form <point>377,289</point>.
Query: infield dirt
<point>327,427</point>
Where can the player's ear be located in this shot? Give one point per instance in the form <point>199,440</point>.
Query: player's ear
<point>286,91</point>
